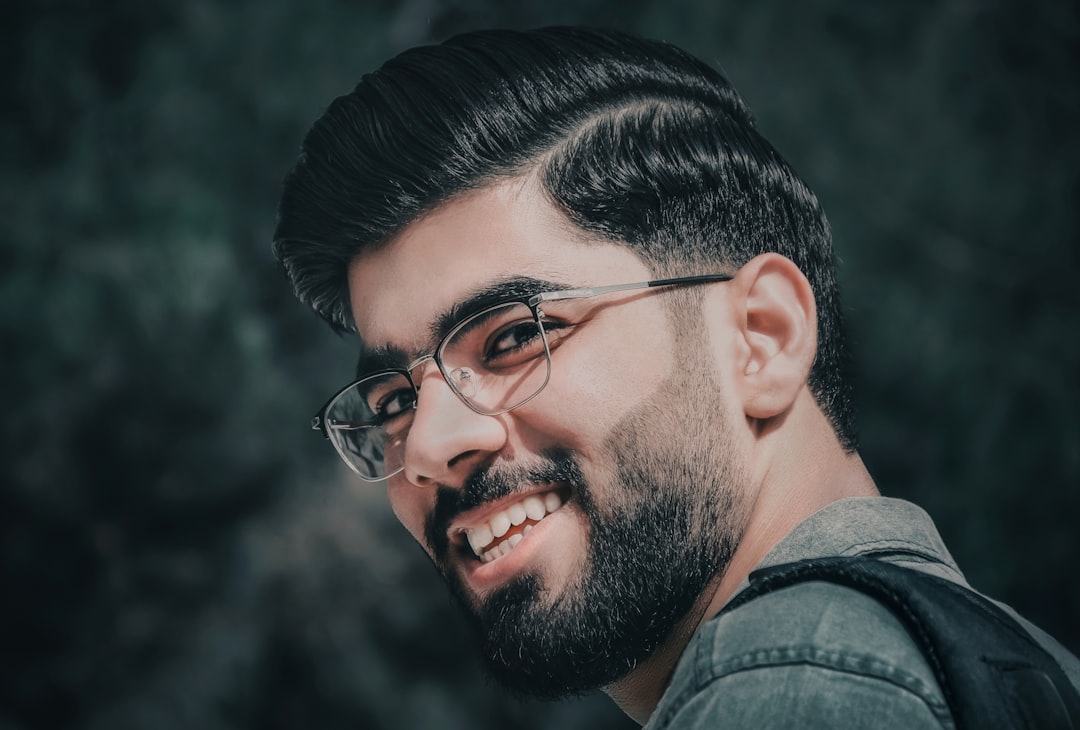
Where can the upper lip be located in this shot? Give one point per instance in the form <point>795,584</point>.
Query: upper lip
<point>481,514</point>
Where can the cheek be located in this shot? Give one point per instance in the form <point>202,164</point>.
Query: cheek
<point>594,387</point>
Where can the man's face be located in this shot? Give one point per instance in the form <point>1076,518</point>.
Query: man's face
<point>578,529</point>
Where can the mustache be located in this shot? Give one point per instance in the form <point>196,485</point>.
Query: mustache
<point>496,482</point>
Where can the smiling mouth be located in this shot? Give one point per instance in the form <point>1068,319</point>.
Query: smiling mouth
<point>507,527</point>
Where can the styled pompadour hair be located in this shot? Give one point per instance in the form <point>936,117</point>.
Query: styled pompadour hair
<point>635,141</point>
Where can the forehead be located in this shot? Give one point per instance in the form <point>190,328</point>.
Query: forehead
<point>505,231</point>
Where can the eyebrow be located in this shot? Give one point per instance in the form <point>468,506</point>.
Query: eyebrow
<point>384,357</point>
<point>497,292</point>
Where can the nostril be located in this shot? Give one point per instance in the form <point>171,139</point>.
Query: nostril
<point>459,458</point>
<point>416,479</point>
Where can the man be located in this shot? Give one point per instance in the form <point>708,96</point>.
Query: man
<point>603,375</point>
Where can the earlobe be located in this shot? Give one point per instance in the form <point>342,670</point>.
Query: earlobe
<point>777,321</point>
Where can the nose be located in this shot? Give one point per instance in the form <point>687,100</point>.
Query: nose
<point>447,439</point>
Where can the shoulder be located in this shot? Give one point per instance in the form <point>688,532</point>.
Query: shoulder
<point>813,654</point>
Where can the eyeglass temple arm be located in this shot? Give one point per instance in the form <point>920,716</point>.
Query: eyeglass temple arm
<point>597,290</point>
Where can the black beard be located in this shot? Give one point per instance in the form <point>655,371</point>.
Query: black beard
<point>650,557</point>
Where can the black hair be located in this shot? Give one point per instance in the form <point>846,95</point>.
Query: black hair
<point>636,141</point>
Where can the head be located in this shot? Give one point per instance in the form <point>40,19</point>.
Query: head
<point>579,158</point>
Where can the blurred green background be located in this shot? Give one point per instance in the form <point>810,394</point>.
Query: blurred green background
<point>180,551</point>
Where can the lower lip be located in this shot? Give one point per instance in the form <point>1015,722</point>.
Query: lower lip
<point>484,577</point>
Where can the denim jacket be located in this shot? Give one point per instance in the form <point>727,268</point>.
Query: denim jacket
<point>819,655</point>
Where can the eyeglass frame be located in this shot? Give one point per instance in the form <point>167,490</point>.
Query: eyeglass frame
<point>533,302</point>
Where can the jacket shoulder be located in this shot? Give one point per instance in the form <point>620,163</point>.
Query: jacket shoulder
<point>811,654</point>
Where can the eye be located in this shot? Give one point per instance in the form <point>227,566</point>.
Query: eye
<point>514,343</point>
<point>394,403</point>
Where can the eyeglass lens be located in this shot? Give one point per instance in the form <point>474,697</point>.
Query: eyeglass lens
<point>495,361</point>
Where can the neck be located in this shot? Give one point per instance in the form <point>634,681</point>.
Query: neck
<point>802,476</point>
<point>638,692</point>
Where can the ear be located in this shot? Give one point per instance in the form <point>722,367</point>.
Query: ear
<point>777,339</point>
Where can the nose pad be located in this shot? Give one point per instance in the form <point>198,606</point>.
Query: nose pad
<point>464,381</point>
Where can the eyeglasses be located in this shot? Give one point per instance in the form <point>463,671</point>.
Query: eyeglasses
<point>495,361</point>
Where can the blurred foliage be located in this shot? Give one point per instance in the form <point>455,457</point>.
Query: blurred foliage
<point>178,550</point>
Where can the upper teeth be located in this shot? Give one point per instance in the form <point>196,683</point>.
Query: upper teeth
<point>534,507</point>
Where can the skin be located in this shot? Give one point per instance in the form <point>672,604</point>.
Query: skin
<point>759,338</point>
